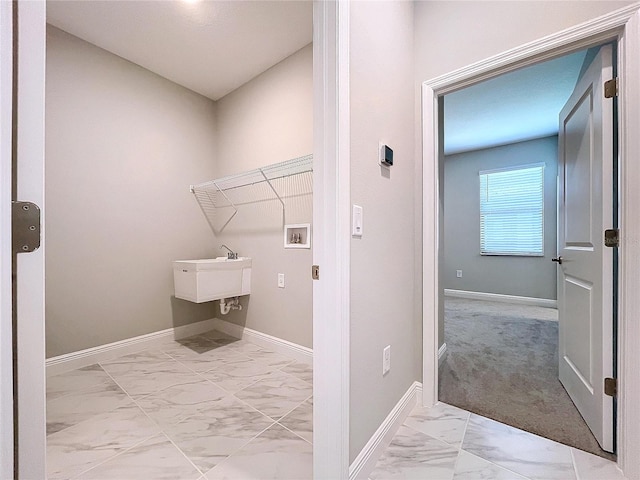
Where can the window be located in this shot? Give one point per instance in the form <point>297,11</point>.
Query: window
<point>512,211</point>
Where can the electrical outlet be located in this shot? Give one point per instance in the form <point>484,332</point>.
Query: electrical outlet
<point>386,359</point>
<point>459,273</point>
<point>281,280</point>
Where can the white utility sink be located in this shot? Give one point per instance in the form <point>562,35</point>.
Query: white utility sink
<point>212,278</point>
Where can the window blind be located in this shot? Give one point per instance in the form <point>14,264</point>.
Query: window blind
<point>512,211</point>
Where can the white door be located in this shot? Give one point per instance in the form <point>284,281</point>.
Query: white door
<point>585,275</point>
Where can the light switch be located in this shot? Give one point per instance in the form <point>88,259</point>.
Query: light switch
<point>356,229</point>
<point>281,280</point>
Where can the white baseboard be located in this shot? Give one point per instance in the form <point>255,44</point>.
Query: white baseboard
<point>496,297</point>
<point>300,353</point>
<point>366,460</point>
<point>89,356</point>
<point>101,353</point>
<point>442,352</point>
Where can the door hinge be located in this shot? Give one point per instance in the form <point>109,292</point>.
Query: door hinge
<point>611,387</point>
<point>315,272</point>
<point>25,226</point>
<point>612,238</point>
<point>611,88</point>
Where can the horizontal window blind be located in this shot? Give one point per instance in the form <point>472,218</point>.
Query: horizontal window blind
<point>512,211</point>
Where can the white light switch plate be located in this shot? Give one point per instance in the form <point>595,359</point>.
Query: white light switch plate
<point>281,280</point>
<point>356,229</point>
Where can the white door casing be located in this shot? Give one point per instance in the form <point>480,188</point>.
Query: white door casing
<point>331,239</point>
<point>331,216</point>
<point>6,330</point>
<point>623,27</point>
<point>585,275</point>
<point>31,419</point>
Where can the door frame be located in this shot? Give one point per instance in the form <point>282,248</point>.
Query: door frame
<point>30,336</point>
<point>623,27</point>
<point>6,308</point>
<point>331,216</point>
<point>331,239</point>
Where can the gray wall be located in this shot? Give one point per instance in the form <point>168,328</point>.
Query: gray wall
<point>450,35</point>
<point>269,120</point>
<point>507,275</point>
<point>382,261</point>
<point>122,146</point>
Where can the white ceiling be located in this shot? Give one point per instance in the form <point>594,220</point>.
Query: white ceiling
<point>517,106</point>
<point>211,47</point>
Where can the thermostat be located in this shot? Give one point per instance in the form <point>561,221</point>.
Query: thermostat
<point>386,155</point>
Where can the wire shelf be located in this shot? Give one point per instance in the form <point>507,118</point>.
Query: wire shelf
<point>219,199</point>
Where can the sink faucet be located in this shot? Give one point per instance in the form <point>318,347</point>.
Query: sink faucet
<point>231,255</point>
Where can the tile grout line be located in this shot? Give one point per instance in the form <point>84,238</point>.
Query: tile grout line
<point>124,449</point>
<point>250,439</point>
<point>430,436</point>
<point>102,462</point>
<point>299,405</point>
<point>573,463</point>
<point>464,432</point>
<point>216,384</point>
<point>263,413</point>
<point>296,434</point>
<point>162,430</point>
<point>496,465</point>
<point>248,356</point>
<point>190,416</point>
<point>200,374</point>
<point>78,391</point>
<point>482,458</point>
<point>109,412</point>
<point>274,422</point>
<point>233,394</point>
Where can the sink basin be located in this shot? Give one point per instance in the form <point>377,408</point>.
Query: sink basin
<point>210,279</point>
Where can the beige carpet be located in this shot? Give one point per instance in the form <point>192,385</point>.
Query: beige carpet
<point>502,363</point>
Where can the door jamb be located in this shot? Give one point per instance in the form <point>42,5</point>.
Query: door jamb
<point>30,337</point>
<point>331,219</point>
<point>6,308</point>
<point>622,25</point>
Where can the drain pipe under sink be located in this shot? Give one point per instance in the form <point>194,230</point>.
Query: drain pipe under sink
<point>228,304</point>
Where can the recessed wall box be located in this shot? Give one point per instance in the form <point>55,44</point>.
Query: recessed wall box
<point>297,236</point>
<point>386,155</point>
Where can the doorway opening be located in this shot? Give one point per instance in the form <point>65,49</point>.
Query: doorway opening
<point>501,345</point>
<point>172,359</point>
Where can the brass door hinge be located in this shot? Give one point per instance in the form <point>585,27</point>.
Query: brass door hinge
<point>612,238</point>
<point>315,272</point>
<point>611,387</point>
<point>25,227</point>
<point>611,88</point>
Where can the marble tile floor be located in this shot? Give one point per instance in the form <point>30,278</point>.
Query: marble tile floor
<point>202,408</point>
<point>447,443</point>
